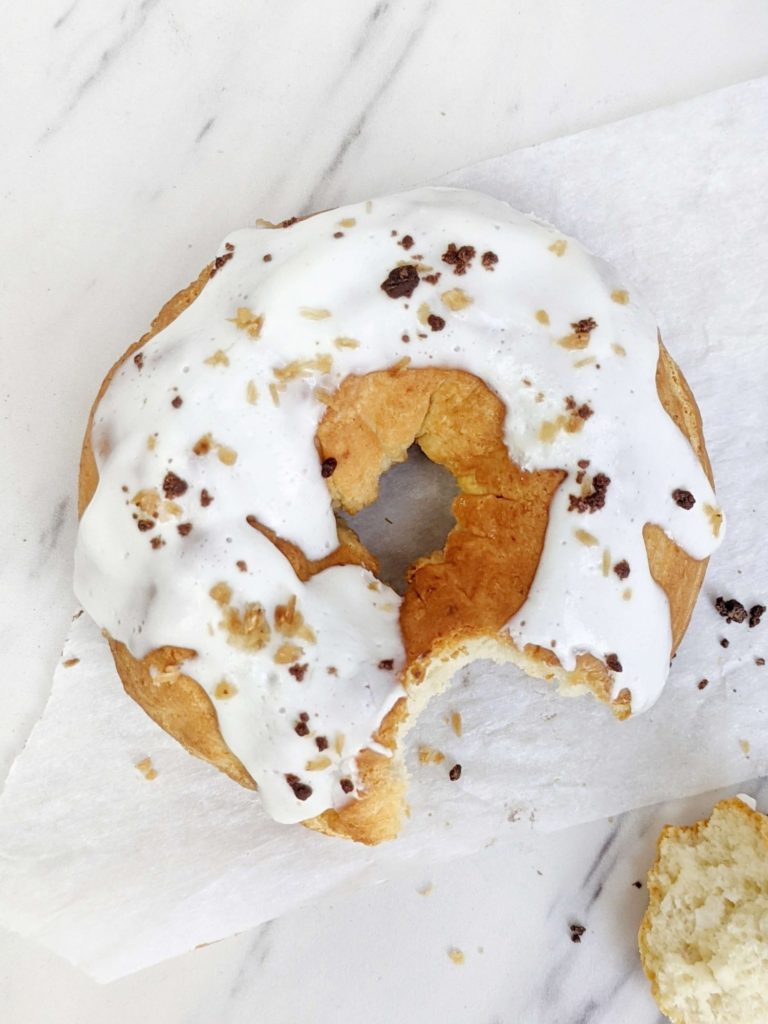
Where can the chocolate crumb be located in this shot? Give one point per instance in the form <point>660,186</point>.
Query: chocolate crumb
<point>613,663</point>
<point>300,789</point>
<point>593,501</point>
<point>703,684</point>
<point>173,486</point>
<point>489,259</point>
<point>731,610</point>
<point>435,322</point>
<point>298,672</point>
<point>683,499</point>
<point>328,467</point>
<point>205,498</point>
<point>584,326</point>
<point>724,642</point>
<point>455,773</point>
<point>347,785</point>
<point>145,524</point>
<point>177,402</point>
<point>219,262</point>
<point>157,542</point>
<point>638,885</point>
<point>583,463</point>
<point>433,278</point>
<point>301,729</point>
<point>321,742</point>
<point>229,247</point>
<point>755,614</point>
<point>139,360</point>
<point>288,222</point>
<point>332,670</point>
<point>241,565</point>
<point>585,411</point>
<point>267,257</point>
<point>406,241</point>
<point>760,661</point>
<point>338,234</point>
<point>401,282</point>
<point>184,529</point>
<point>622,569</point>
<point>577,930</point>
<point>387,664</point>
<point>405,338</point>
<point>303,716</point>
<point>459,258</point>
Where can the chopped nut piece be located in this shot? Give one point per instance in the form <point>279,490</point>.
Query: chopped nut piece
<point>338,743</point>
<point>542,316</point>
<point>146,768</point>
<point>587,539</point>
<point>246,320</point>
<point>429,756</point>
<point>286,653</point>
<point>314,314</point>
<point>558,247</point>
<point>249,630</point>
<point>219,358</point>
<point>574,341</point>
<point>620,296</point>
<point>399,366</point>
<point>627,594</point>
<point>456,955</point>
<point>274,392</point>
<point>606,561</point>
<point>347,222</point>
<point>317,764</point>
<point>227,455</point>
<point>221,593</point>
<point>251,393</point>
<point>203,446</point>
<point>456,299</point>
<point>715,517</point>
<point>147,501</point>
<point>618,349</point>
<point>456,723</point>
<point>224,690</point>
<point>303,367</point>
<point>346,343</point>
<point>151,442</point>
<point>70,662</point>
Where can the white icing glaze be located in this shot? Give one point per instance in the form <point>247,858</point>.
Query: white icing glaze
<point>149,597</point>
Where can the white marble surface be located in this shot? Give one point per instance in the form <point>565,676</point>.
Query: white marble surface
<point>134,135</point>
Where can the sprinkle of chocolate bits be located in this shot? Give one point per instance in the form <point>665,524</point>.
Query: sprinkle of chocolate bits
<point>755,614</point>
<point>703,684</point>
<point>433,278</point>
<point>760,662</point>
<point>139,360</point>
<point>725,642</point>
<point>288,222</point>
<point>145,524</point>
<point>298,672</point>
<point>593,501</point>
<point>328,467</point>
<point>583,411</point>
<point>321,742</point>
<point>622,569</point>
<point>404,338</point>
<point>459,258</point>
<point>387,664</point>
<point>731,610</point>
<point>225,257</point>
<point>613,663</point>
<point>332,670</point>
<point>241,565</point>
<point>435,322</point>
<point>177,402</point>
<point>347,785</point>
<point>205,498</point>
<point>489,260</point>
<point>585,326</point>
<point>455,773</point>
<point>683,499</point>
<point>173,486</point>
<point>267,257</point>
<point>577,930</point>
<point>401,282</point>
<point>301,729</point>
<point>338,234</point>
<point>157,542</point>
<point>638,885</point>
<point>300,789</point>
<point>583,465</point>
<point>184,529</point>
<point>407,242</point>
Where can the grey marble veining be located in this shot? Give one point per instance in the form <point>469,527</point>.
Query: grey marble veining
<point>135,134</point>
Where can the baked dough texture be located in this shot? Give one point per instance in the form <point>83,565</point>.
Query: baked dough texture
<point>704,937</point>
<point>458,599</point>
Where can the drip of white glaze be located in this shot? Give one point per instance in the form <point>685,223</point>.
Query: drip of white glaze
<point>509,322</point>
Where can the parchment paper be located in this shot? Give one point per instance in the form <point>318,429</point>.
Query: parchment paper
<point>115,872</point>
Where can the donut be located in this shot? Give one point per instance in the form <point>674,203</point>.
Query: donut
<point>703,939</point>
<point>246,617</point>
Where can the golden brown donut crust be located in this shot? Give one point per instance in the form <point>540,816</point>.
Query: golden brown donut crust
<point>469,589</point>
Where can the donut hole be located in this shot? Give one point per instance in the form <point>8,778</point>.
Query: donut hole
<point>410,519</point>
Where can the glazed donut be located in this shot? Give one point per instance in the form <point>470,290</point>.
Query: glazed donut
<point>273,392</point>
